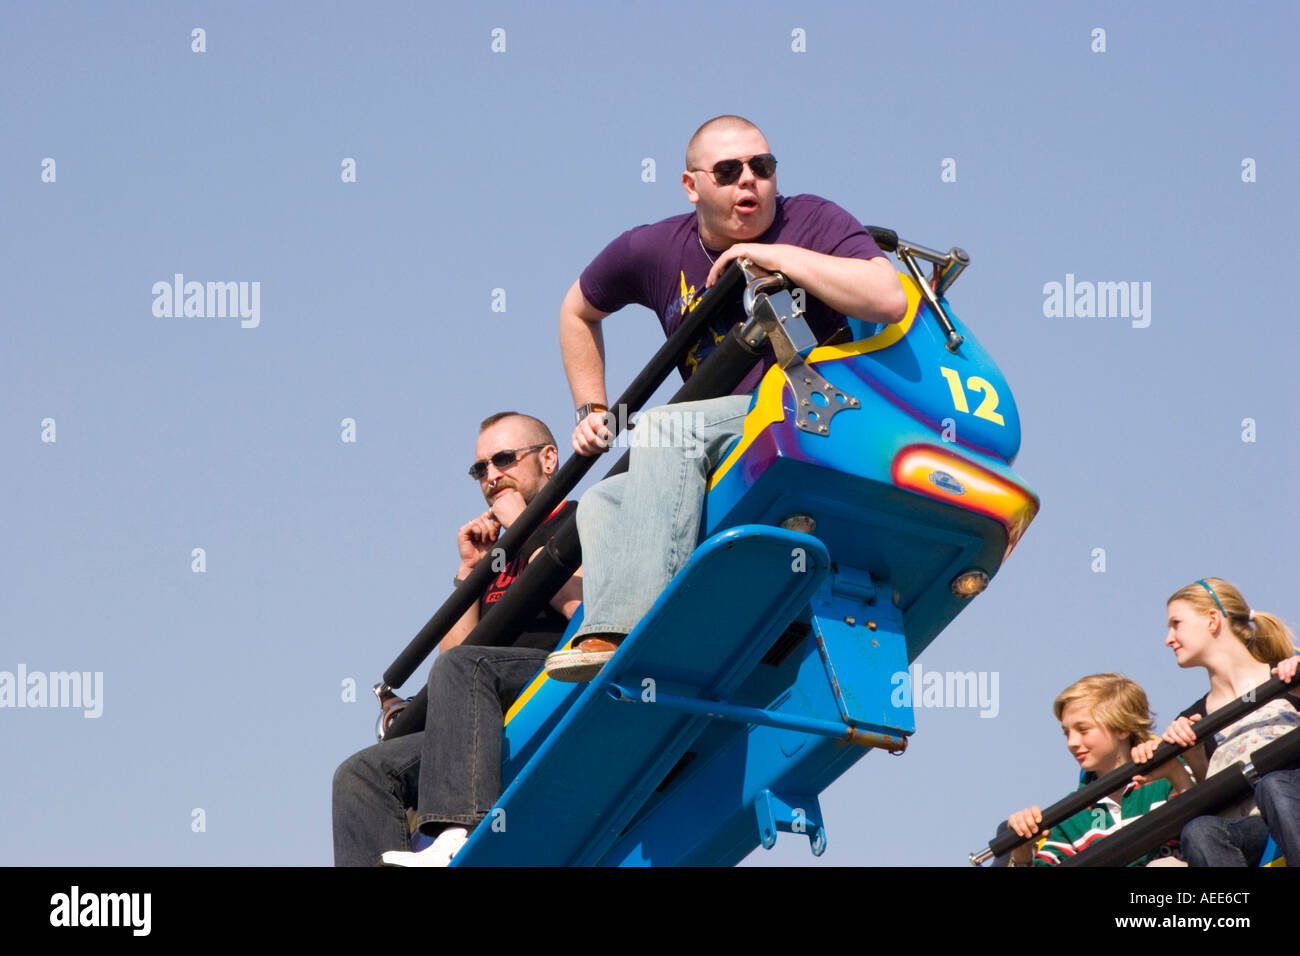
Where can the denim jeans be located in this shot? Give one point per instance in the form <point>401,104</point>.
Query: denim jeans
<point>450,772</point>
<point>1278,798</point>
<point>1220,841</point>
<point>1215,841</point>
<point>638,528</point>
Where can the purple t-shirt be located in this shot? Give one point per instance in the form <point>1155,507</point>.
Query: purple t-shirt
<point>663,267</point>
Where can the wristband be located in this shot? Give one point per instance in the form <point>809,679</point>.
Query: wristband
<point>587,409</point>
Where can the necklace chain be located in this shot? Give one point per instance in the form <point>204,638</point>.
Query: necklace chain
<point>700,240</point>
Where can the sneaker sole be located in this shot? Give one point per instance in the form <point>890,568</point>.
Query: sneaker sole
<point>576,667</point>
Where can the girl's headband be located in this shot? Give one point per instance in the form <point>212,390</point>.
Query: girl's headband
<point>1213,595</point>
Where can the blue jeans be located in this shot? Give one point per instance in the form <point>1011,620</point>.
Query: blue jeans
<point>1215,841</point>
<point>450,772</point>
<point>1219,841</point>
<point>638,528</point>
<point>1278,799</point>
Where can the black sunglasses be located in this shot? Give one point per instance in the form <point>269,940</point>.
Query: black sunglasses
<point>502,459</point>
<point>727,171</point>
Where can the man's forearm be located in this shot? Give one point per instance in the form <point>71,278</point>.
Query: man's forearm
<point>582,346</point>
<point>866,289</point>
<point>461,629</point>
<point>861,288</point>
<point>567,599</point>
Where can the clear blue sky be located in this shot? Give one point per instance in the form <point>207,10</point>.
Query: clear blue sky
<point>479,171</point>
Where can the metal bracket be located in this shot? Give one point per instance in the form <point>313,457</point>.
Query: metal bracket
<point>773,315</point>
<point>775,814</point>
<point>951,264</point>
<point>863,651</point>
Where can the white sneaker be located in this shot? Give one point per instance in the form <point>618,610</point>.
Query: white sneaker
<point>437,853</point>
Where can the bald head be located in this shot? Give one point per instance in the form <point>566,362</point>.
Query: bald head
<point>727,124</point>
<point>531,428</point>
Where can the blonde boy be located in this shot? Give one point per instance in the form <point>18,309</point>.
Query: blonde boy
<point>1103,717</point>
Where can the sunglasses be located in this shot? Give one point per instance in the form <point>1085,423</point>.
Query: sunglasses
<point>727,171</point>
<point>502,459</point>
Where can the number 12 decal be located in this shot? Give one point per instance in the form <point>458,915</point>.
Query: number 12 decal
<point>987,408</point>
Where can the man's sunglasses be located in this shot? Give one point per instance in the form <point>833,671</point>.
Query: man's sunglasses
<point>502,459</point>
<point>727,171</point>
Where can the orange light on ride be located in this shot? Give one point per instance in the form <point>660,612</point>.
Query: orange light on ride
<point>940,474</point>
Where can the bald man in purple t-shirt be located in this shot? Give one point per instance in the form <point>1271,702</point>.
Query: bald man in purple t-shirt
<point>638,529</point>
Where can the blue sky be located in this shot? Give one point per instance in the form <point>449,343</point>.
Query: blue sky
<point>478,171</point>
